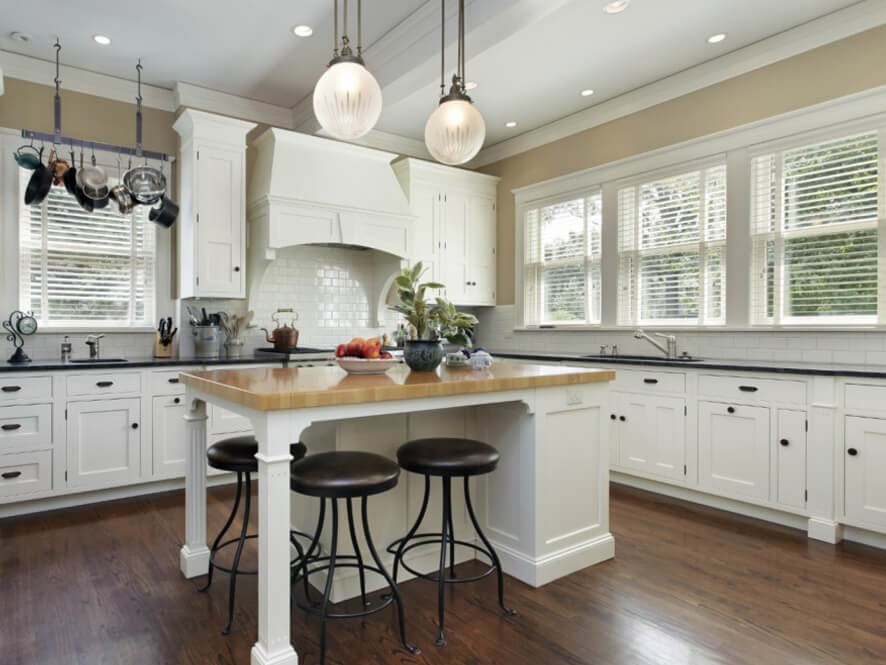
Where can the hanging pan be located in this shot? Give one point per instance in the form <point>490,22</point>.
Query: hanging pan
<point>39,184</point>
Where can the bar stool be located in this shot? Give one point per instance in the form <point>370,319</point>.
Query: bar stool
<point>344,475</point>
<point>237,454</point>
<point>447,458</point>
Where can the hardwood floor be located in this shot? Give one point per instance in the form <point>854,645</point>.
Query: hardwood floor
<point>100,585</point>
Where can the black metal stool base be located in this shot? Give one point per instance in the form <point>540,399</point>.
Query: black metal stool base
<point>302,570</point>
<point>447,537</point>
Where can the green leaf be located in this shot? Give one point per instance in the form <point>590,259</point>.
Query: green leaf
<point>433,285</point>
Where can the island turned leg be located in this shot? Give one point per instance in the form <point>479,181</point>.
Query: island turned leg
<point>194,554</point>
<point>272,429</point>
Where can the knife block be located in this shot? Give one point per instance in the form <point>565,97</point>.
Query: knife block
<point>161,351</point>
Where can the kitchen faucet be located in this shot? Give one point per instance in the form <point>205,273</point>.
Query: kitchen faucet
<point>670,350</point>
<point>92,343</point>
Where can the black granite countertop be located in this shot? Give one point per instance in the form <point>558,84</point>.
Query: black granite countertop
<point>159,363</point>
<point>779,367</point>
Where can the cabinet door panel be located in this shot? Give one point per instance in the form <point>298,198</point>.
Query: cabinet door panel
<point>792,458</point>
<point>103,445</point>
<point>170,436</point>
<point>481,250</point>
<point>220,229</point>
<point>865,470</point>
<point>667,436</point>
<point>425,237</point>
<point>733,449</point>
<point>633,437</point>
<point>455,239</point>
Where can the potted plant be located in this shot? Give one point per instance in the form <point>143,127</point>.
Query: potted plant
<point>433,319</point>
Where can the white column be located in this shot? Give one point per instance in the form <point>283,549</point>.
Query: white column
<point>194,555</point>
<point>274,433</point>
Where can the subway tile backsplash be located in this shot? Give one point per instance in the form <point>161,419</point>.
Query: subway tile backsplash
<point>496,332</point>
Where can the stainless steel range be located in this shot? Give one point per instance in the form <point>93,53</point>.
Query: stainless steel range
<point>302,357</point>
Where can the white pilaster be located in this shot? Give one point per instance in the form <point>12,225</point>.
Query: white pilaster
<point>194,555</point>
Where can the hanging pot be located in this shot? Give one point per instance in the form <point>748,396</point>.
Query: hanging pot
<point>28,157</point>
<point>85,202</point>
<point>146,184</point>
<point>39,184</point>
<point>70,177</point>
<point>121,195</point>
<point>164,214</point>
<point>93,180</point>
<point>58,167</point>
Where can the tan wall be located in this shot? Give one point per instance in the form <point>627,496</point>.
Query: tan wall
<point>27,105</point>
<point>841,68</point>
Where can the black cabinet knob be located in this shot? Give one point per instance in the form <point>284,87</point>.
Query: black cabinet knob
<point>236,268</point>
<point>852,451</point>
<point>784,442</point>
<point>134,425</point>
<point>612,417</point>
<point>622,418</point>
<point>176,400</point>
<point>730,409</point>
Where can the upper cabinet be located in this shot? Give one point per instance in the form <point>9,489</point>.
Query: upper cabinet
<point>455,231</point>
<point>212,223</point>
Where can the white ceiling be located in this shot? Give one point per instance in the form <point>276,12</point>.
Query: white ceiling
<point>530,58</point>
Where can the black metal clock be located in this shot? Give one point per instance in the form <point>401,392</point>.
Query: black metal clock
<point>18,326</point>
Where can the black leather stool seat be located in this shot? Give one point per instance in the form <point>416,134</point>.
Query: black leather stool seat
<point>342,474</point>
<point>238,454</point>
<point>447,457</point>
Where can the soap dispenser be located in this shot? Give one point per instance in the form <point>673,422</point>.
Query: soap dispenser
<point>66,349</point>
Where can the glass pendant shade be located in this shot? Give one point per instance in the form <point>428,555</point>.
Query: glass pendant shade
<point>347,100</point>
<point>455,132</point>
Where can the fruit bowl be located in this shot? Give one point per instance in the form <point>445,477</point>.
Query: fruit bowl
<point>366,365</point>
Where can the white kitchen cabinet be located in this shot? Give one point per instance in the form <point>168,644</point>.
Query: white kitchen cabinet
<point>103,442</point>
<point>170,436</point>
<point>733,449</point>
<point>455,228</point>
<point>212,221</point>
<point>791,458</point>
<point>650,434</point>
<point>865,470</point>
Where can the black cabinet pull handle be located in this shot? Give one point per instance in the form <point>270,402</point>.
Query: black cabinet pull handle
<point>852,451</point>
<point>622,418</point>
<point>785,442</point>
<point>104,384</point>
<point>730,409</point>
<point>9,475</point>
<point>134,425</point>
<point>175,380</point>
<point>176,400</point>
<point>748,389</point>
<point>650,381</point>
<point>11,389</point>
<point>11,427</point>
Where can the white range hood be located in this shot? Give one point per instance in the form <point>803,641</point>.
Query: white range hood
<point>307,190</point>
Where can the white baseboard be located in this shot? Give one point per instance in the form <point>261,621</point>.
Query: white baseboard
<point>539,571</point>
<point>827,531</point>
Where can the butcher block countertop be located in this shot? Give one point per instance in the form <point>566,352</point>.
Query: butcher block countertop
<point>273,388</point>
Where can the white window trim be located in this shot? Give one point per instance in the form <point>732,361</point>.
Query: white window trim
<point>837,116</point>
<point>10,140</point>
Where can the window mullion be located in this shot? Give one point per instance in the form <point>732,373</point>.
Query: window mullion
<point>44,261</point>
<point>636,281</point>
<point>881,227</point>
<point>778,273</point>
<point>702,253</point>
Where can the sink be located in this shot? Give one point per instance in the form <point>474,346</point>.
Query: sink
<point>97,361</point>
<point>689,359</point>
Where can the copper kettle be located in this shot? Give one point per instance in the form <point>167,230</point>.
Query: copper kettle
<point>285,337</point>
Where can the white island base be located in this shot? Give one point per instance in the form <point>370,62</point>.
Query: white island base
<point>545,508</point>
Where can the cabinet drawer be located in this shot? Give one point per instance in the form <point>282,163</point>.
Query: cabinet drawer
<point>25,427</point>
<point>166,383</point>
<point>632,380</point>
<point>103,384</point>
<point>25,473</point>
<point>751,388</point>
<point>30,388</point>
<point>859,397</point>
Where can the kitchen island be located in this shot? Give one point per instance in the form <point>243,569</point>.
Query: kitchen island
<point>546,508</point>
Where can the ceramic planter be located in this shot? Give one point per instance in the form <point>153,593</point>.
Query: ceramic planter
<point>423,355</point>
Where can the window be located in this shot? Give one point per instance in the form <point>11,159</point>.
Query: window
<point>561,268</point>
<point>814,219</point>
<point>82,269</point>
<point>672,249</point>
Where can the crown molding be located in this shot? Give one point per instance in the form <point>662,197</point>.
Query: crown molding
<point>818,32</point>
<point>84,81</point>
<point>388,142</point>
<point>188,95</point>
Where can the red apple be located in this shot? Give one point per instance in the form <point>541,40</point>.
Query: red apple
<point>341,350</point>
<point>371,351</point>
<point>355,349</point>
<point>386,355</point>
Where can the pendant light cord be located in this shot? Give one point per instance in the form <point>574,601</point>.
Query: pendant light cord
<point>442,47</point>
<point>360,28</point>
<point>461,42</point>
<point>335,31</point>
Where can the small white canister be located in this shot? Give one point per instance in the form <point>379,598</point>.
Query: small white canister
<point>206,341</point>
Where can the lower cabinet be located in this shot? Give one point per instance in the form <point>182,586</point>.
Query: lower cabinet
<point>103,442</point>
<point>791,458</point>
<point>733,449</point>
<point>170,436</point>
<point>865,470</point>
<point>649,434</point>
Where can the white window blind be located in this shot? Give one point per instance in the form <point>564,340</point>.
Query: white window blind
<point>814,220</point>
<point>561,268</point>
<point>82,269</point>
<point>672,249</point>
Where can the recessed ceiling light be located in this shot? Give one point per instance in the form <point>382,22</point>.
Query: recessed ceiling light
<point>510,123</point>
<point>20,36</point>
<point>716,39</point>
<point>101,39</point>
<point>587,92</point>
<point>303,31</point>
<point>616,6</point>
<point>470,85</point>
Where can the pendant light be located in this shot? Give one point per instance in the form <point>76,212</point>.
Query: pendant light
<point>455,131</point>
<point>347,98</point>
